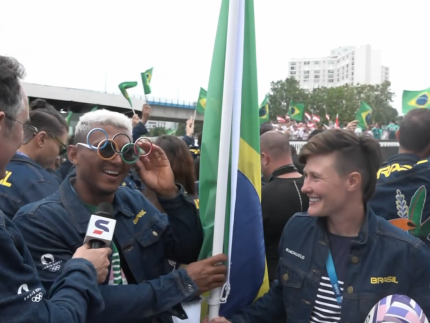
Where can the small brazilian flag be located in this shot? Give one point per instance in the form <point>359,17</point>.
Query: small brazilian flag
<point>69,118</point>
<point>146,80</point>
<point>201,102</point>
<point>264,110</point>
<point>123,88</point>
<point>415,100</point>
<point>364,115</point>
<point>296,111</point>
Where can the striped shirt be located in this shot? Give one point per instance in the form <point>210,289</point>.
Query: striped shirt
<point>326,309</point>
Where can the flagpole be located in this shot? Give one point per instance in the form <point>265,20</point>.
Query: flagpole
<point>224,145</point>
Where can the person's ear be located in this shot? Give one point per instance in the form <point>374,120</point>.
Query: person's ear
<point>72,154</point>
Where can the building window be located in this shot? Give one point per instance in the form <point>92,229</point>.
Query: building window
<point>306,76</point>
<point>305,80</point>
<point>316,72</point>
<point>316,63</point>
<point>306,63</point>
<point>293,63</point>
<point>293,72</point>
<point>330,80</point>
<point>330,72</point>
<point>306,72</point>
<point>293,68</point>
<point>317,76</point>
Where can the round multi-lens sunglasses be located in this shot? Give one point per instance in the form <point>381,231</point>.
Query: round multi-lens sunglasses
<point>107,149</point>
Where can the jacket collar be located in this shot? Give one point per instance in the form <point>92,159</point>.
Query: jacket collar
<point>24,159</point>
<point>79,213</point>
<point>402,158</point>
<point>367,230</point>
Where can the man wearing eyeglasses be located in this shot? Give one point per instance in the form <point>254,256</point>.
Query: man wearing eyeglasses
<point>74,294</point>
<point>28,179</point>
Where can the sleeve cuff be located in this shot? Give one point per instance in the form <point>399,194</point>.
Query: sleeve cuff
<point>173,201</point>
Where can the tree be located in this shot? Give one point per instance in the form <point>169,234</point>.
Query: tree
<point>343,100</point>
<point>156,132</point>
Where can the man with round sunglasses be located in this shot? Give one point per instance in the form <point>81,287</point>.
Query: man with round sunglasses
<point>28,178</point>
<point>138,289</point>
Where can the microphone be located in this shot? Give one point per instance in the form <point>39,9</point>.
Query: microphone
<point>101,227</point>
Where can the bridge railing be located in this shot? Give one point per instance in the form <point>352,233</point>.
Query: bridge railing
<point>168,102</point>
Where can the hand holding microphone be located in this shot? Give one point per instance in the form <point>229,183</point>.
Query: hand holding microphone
<point>98,239</point>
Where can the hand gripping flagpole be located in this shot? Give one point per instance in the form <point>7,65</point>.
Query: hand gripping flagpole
<point>232,44</point>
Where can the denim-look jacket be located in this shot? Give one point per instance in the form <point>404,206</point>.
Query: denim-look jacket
<point>146,237</point>
<point>384,260</point>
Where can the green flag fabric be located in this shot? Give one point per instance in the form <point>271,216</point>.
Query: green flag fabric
<point>68,118</point>
<point>364,115</point>
<point>146,80</point>
<point>263,112</point>
<point>201,102</point>
<point>95,108</point>
<point>415,100</point>
<point>244,165</point>
<point>171,132</point>
<point>123,88</point>
<point>296,111</point>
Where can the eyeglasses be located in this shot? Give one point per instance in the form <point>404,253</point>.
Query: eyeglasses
<point>29,131</point>
<point>63,147</point>
<point>107,149</point>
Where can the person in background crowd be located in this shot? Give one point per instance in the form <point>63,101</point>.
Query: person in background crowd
<point>139,128</point>
<point>75,293</point>
<point>137,289</point>
<point>339,259</point>
<point>281,197</point>
<point>295,158</point>
<point>66,165</point>
<point>392,129</point>
<point>197,171</point>
<point>189,132</point>
<point>265,127</point>
<point>377,131</point>
<point>182,165</point>
<point>27,178</point>
<point>53,169</point>
<point>403,180</point>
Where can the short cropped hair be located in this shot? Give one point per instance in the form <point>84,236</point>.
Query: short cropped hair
<point>12,98</point>
<point>102,117</point>
<point>414,134</point>
<point>354,153</point>
<point>265,127</point>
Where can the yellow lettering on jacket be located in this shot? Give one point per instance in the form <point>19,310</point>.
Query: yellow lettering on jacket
<point>388,170</point>
<point>382,280</point>
<point>138,216</point>
<point>197,203</point>
<point>4,181</point>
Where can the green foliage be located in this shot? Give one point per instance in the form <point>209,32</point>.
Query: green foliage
<point>156,132</point>
<point>343,100</point>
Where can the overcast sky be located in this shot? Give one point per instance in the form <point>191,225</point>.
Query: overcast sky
<point>94,45</point>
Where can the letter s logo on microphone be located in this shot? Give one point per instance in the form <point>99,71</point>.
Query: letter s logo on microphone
<point>101,224</point>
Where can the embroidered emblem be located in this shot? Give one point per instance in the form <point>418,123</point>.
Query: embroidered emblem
<point>411,216</point>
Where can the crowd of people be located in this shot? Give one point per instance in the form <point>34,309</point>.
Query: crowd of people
<point>342,228</point>
<point>302,130</point>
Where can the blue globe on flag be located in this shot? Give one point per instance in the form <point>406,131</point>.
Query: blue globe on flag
<point>396,309</point>
<point>422,100</point>
<point>369,119</point>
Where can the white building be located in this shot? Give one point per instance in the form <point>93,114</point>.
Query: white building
<point>345,65</point>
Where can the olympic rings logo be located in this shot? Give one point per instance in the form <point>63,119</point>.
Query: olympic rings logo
<point>37,298</point>
<point>55,268</point>
<point>107,148</point>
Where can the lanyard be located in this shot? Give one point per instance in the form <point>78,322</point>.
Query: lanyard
<point>333,278</point>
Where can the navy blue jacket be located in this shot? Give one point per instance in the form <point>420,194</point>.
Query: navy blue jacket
<point>24,299</point>
<point>401,194</point>
<point>381,251</point>
<point>146,237</point>
<point>25,182</point>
